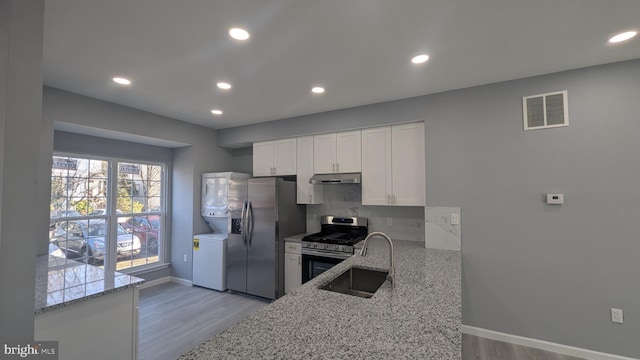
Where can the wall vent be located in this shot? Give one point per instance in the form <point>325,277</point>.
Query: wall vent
<point>545,110</point>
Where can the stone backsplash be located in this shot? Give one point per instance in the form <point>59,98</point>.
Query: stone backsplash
<point>407,222</point>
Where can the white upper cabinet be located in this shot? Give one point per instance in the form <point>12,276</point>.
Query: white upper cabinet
<point>376,166</point>
<point>393,165</point>
<point>407,160</point>
<point>324,153</point>
<point>337,152</point>
<point>263,158</point>
<point>274,157</point>
<point>307,193</point>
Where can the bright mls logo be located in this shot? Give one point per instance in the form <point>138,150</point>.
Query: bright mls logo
<point>33,350</point>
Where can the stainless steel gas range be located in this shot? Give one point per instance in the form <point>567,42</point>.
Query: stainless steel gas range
<point>333,244</point>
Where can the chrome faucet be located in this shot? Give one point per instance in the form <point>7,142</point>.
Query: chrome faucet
<point>363,252</point>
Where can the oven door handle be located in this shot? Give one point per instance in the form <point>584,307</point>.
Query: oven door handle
<point>325,254</point>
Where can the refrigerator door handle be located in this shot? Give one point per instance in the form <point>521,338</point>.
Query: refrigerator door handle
<point>243,222</point>
<point>250,222</point>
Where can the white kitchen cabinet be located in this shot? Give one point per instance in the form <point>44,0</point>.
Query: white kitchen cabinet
<point>377,185</point>
<point>393,165</point>
<point>292,266</point>
<point>337,152</point>
<point>307,193</point>
<point>274,157</point>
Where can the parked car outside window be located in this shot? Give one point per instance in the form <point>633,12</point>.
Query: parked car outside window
<point>103,212</point>
<point>64,213</point>
<point>147,228</point>
<point>86,239</point>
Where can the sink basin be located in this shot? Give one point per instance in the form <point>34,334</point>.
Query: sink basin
<point>357,282</point>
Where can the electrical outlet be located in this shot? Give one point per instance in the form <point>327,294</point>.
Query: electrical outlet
<point>389,221</point>
<point>616,316</point>
<point>185,258</point>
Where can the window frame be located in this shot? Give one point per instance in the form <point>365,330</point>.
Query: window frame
<point>110,261</point>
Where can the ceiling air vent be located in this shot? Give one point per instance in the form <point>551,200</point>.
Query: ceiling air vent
<point>545,110</point>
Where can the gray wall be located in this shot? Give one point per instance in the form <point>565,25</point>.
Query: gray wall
<point>529,269</point>
<point>22,150</point>
<point>93,145</point>
<point>200,155</point>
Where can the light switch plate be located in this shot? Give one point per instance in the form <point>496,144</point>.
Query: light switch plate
<point>455,219</point>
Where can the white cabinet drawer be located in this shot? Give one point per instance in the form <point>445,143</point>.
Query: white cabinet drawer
<point>292,247</point>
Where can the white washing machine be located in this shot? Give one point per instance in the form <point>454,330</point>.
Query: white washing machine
<point>209,261</point>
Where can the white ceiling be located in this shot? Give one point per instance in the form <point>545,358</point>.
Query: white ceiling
<point>174,52</point>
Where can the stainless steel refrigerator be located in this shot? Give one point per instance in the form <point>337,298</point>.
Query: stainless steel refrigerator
<point>257,228</point>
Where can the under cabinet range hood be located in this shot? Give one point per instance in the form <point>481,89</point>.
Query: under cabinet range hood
<point>345,178</point>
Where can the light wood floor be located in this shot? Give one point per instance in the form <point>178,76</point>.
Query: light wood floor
<point>175,318</point>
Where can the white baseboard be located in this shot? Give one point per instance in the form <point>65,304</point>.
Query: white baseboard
<point>180,281</point>
<point>166,279</point>
<point>541,344</point>
<point>148,284</point>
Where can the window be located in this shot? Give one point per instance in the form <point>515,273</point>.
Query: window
<point>107,212</point>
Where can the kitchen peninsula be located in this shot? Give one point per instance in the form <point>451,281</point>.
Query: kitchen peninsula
<point>419,317</point>
<point>80,305</point>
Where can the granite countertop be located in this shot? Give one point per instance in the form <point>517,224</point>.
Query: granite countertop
<point>296,238</point>
<point>62,282</point>
<point>418,318</point>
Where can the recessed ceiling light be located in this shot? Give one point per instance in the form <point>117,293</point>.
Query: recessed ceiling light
<point>224,85</point>
<point>216,112</point>
<point>623,36</point>
<point>122,81</point>
<point>318,89</point>
<point>238,34</point>
<point>419,59</point>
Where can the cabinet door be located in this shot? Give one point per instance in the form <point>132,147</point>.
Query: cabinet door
<point>348,151</point>
<point>307,193</point>
<point>376,166</point>
<point>324,153</point>
<point>292,271</point>
<point>408,164</point>
<point>263,158</point>
<point>284,156</point>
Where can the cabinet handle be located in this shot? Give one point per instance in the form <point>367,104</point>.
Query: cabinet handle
<point>388,199</point>
<point>299,260</point>
<point>394,198</point>
<point>337,167</point>
<point>310,198</point>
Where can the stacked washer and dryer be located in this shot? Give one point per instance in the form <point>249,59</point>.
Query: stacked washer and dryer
<point>210,249</point>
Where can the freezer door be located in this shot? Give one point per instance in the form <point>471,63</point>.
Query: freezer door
<point>262,270</point>
<point>236,245</point>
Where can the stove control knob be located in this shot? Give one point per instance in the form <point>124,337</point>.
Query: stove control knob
<point>325,246</point>
<point>305,245</point>
<point>314,245</point>
<point>339,248</point>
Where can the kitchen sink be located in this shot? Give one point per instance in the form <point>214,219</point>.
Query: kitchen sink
<point>357,282</point>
